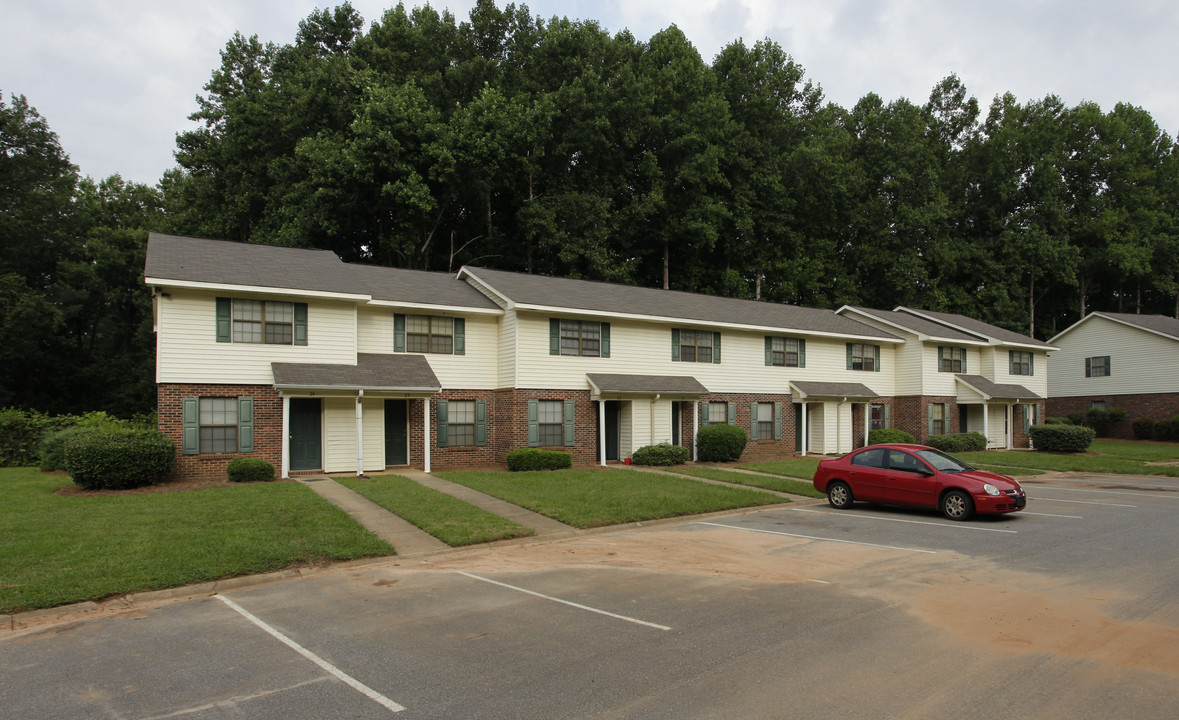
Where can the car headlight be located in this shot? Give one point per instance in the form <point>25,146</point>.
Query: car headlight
<point>991,489</point>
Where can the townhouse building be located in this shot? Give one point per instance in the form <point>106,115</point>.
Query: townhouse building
<point>319,365</point>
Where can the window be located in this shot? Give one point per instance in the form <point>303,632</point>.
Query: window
<point>1021,362</point>
<point>1097,366</point>
<point>1101,405</point>
<point>785,352</point>
<point>461,423</point>
<point>1029,416</point>
<point>581,338</point>
<point>429,334</point>
<point>218,425</point>
<point>873,458</point>
<point>695,346</point>
<point>214,425</point>
<point>879,417</point>
<point>261,321</point>
<point>714,413</point>
<point>762,421</point>
<point>551,421</point>
<point>937,419</point>
<point>861,356</point>
<point>951,359</point>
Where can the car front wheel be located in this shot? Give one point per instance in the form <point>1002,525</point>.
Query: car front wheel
<point>957,505</point>
<point>839,495</point>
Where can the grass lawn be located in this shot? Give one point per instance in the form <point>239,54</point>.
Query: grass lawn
<point>592,498</point>
<point>1104,456</point>
<point>447,518</point>
<point>781,484</point>
<point>804,469</point>
<point>56,550</point>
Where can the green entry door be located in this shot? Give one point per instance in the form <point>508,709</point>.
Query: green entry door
<point>396,433</point>
<point>306,441</point>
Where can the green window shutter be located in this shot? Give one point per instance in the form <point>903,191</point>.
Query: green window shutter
<point>876,358</point>
<point>732,407</point>
<point>716,348</point>
<point>941,358</point>
<point>1031,363</point>
<point>398,333</point>
<point>300,323</point>
<point>802,353</point>
<point>849,356</point>
<point>1010,362</point>
<point>675,345</point>
<point>533,425</point>
<point>777,421</point>
<point>964,358</point>
<point>224,319</point>
<point>481,423</point>
<point>460,336</point>
<point>1108,366</point>
<point>929,419</point>
<point>554,336</point>
<point>703,414</point>
<point>192,429</point>
<point>769,350</point>
<point>568,423</point>
<point>245,424</point>
<point>442,415</point>
<point>1088,367</point>
<point>753,421</point>
<point>605,340</point>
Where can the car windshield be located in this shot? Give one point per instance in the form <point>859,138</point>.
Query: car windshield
<point>943,462</point>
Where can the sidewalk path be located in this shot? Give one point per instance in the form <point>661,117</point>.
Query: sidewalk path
<point>543,525</point>
<point>406,538</point>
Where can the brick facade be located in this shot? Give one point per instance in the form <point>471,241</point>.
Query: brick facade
<point>1156,406</point>
<point>267,426</point>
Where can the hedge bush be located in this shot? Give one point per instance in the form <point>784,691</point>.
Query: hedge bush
<point>1058,421</point>
<point>117,459</point>
<point>889,435</point>
<point>53,446</point>
<point>537,459</point>
<point>1076,418</point>
<point>1167,430</point>
<point>1102,420</point>
<point>249,469</point>
<point>662,454</point>
<point>720,443</point>
<point>1143,428</point>
<point>958,442</point>
<point>1061,438</point>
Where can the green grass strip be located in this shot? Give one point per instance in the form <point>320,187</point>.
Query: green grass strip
<point>593,498</point>
<point>781,484</point>
<point>56,550</point>
<point>803,469</point>
<point>1063,462</point>
<point>447,518</point>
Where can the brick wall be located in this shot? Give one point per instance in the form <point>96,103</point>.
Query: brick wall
<point>1156,406</point>
<point>755,450</point>
<point>267,427</point>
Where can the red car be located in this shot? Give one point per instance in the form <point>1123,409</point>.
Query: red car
<point>917,476</point>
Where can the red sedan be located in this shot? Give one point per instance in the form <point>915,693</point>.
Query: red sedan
<point>917,476</point>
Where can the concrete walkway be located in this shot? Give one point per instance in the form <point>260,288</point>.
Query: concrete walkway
<point>543,525</point>
<point>406,538</point>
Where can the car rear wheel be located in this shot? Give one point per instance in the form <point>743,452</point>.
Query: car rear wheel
<point>957,505</point>
<point>839,495</point>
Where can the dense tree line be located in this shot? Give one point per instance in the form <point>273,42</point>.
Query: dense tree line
<point>556,147</point>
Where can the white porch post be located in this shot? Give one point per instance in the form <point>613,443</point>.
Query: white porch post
<point>359,433</point>
<point>987,422</point>
<point>1010,414</point>
<point>286,436</point>
<point>805,439</point>
<point>695,429</point>
<point>867,422</point>
<point>426,430</point>
<point>602,431</point>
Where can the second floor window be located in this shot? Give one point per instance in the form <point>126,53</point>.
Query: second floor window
<point>1097,366</point>
<point>429,334</point>
<point>861,356</point>
<point>579,337</point>
<point>1021,363</point>
<point>267,322</point>
<point>951,359</point>
<point>695,346</point>
<point>785,352</point>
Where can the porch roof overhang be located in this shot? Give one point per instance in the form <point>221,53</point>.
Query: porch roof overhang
<point>995,391</point>
<point>405,375</point>
<point>809,390</point>
<point>678,386</point>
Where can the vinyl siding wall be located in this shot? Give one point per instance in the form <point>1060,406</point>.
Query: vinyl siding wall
<point>1140,361</point>
<point>1037,382</point>
<point>476,369</point>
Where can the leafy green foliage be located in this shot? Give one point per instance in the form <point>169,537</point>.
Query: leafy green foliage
<point>524,459</point>
<point>118,459</point>
<point>1167,430</point>
<point>889,435</point>
<point>958,442</point>
<point>1143,428</point>
<point>1058,421</point>
<point>720,443</point>
<point>1061,438</point>
<point>249,469</point>
<point>662,454</point>
<point>1102,420</point>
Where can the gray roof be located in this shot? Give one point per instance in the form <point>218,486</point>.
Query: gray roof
<point>539,290</point>
<point>221,262</point>
<point>920,325</point>
<point>979,327</point>
<point>400,372</point>
<point>834,389</point>
<point>997,391</point>
<point>1157,323</point>
<point>647,384</point>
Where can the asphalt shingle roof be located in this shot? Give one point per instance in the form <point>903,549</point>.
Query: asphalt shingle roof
<point>920,325</point>
<point>996,390</point>
<point>834,389</point>
<point>652,384</point>
<point>979,327</point>
<point>539,290</point>
<point>1158,323</point>
<point>404,372</point>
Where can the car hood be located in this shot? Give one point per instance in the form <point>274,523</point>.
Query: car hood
<point>986,476</point>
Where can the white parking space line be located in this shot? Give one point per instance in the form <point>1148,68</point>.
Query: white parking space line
<point>1071,517</point>
<point>1082,502</point>
<point>812,537</point>
<point>911,522</point>
<point>566,602</point>
<point>328,667</point>
<point>1141,493</point>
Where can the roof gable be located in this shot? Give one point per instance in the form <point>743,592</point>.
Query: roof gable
<point>977,327</point>
<point>922,327</point>
<point>1162,325</point>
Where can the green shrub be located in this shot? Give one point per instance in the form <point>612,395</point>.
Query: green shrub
<point>1058,421</point>
<point>1076,418</point>
<point>720,443</point>
<point>958,442</point>
<point>1143,428</point>
<point>249,469</point>
<point>1167,430</point>
<point>662,454</point>
<point>1102,420</point>
<point>1061,438</point>
<point>53,447</point>
<point>116,459</point>
<point>537,459</point>
<point>889,435</point>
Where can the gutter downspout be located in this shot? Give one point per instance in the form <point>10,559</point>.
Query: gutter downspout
<point>651,425</point>
<point>360,433</point>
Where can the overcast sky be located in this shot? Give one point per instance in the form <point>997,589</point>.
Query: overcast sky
<point>116,78</point>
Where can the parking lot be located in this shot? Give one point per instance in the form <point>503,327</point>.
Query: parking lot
<point>1065,610</point>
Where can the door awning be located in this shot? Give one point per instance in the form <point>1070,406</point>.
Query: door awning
<point>676,386</point>
<point>809,390</point>
<point>995,391</point>
<point>402,374</point>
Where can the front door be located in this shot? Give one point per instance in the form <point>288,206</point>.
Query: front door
<point>676,413</point>
<point>963,418</point>
<point>305,425</point>
<point>613,411</point>
<point>396,435</point>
